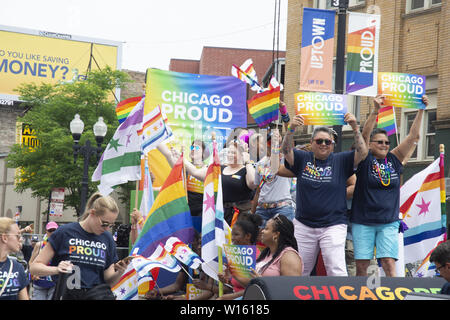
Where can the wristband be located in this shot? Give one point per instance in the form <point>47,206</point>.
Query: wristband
<point>285,118</point>
<point>290,129</point>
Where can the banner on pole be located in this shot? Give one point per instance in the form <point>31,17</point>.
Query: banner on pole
<point>362,54</point>
<point>316,68</point>
<point>402,89</point>
<point>319,108</point>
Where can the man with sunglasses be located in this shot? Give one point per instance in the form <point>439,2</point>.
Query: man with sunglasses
<point>376,199</point>
<point>321,212</point>
<point>441,258</point>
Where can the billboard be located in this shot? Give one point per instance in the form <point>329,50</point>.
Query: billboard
<point>33,56</point>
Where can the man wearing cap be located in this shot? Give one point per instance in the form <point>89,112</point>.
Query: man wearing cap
<point>43,287</point>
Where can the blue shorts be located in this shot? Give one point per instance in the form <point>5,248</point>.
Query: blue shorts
<point>383,236</point>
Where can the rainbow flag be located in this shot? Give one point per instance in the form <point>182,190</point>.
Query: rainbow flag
<point>124,108</point>
<point>386,120</point>
<point>169,215</point>
<point>423,212</point>
<point>263,106</point>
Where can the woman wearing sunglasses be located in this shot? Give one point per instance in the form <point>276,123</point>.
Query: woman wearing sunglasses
<point>86,247</point>
<point>13,279</point>
<point>321,208</point>
<point>375,206</point>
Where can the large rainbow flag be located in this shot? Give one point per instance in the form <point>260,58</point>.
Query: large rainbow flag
<point>423,212</point>
<point>124,108</point>
<point>168,217</point>
<point>263,107</point>
<point>386,120</point>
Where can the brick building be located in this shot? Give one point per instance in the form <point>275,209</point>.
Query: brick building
<point>413,39</point>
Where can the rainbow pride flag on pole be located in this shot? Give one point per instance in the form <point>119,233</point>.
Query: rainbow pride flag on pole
<point>124,108</point>
<point>263,106</point>
<point>386,120</point>
<point>423,213</point>
<point>169,215</point>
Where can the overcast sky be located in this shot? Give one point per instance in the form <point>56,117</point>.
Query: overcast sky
<point>154,31</point>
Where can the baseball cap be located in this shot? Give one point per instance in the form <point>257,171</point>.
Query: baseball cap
<point>51,225</point>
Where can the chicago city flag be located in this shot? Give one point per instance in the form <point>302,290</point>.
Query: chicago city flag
<point>422,209</point>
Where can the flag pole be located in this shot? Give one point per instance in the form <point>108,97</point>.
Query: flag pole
<point>184,175</point>
<point>219,248</point>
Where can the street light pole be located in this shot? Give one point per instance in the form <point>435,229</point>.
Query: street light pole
<point>87,151</point>
<point>340,60</point>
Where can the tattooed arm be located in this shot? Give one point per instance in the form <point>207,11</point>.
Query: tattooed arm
<point>287,146</point>
<point>360,144</point>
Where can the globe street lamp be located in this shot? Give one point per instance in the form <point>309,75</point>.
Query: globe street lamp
<point>76,128</point>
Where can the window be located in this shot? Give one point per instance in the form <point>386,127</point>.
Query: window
<point>417,5</point>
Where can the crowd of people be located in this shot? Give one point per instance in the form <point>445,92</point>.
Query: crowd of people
<point>291,201</point>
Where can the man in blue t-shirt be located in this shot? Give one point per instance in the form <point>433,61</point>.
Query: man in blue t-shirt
<point>321,212</point>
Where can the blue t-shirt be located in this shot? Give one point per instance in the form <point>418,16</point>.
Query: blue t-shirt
<point>373,203</point>
<point>92,253</point>
<point>321,187</point>
<point>17,281</point>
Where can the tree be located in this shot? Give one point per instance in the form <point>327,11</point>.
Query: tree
<point>52,107</point>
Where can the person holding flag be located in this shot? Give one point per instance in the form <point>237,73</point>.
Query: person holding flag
<point>376,198</point>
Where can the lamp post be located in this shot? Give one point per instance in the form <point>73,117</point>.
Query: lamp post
<point>76,128</point>
<point>342,6</point>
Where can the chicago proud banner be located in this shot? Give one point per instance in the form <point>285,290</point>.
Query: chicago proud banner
<point>362,54</point>
<point>316,68</point>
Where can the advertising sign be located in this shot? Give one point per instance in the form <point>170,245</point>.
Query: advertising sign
<point>32,56</point>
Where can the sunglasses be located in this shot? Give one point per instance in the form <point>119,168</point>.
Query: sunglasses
<point>195,148</point>
<point>381,142</point>
<point>322,141</point>
<point>437,269</point>
<point>105,224</point>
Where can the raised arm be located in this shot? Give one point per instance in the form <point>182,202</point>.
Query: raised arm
<point>406,147</point>
<point>372,119</point>
<point>287,146</point>
<point>198,173</point>
<point>360,145</point>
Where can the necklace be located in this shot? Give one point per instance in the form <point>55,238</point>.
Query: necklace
<point>388,173</point>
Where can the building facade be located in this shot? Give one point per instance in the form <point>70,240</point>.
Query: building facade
<point>413,39</point>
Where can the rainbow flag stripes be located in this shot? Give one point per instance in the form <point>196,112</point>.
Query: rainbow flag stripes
<point>386,120</point>
<point>124,108</point>
<point>169,216</point>
<point>263,107</point>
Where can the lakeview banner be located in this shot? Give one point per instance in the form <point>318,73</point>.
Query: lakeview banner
<point>319,108</point>
<point>402,89</point>
<point>316,68</point>
<point>197,105</point>
<point>362,54</point>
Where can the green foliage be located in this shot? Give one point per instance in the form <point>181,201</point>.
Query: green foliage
<point>51,165</point>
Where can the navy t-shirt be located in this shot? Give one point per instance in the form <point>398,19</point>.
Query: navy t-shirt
<point>321,187</point>
<point>17,281</point>
<point>373,203</point>
<point>90,252</point>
